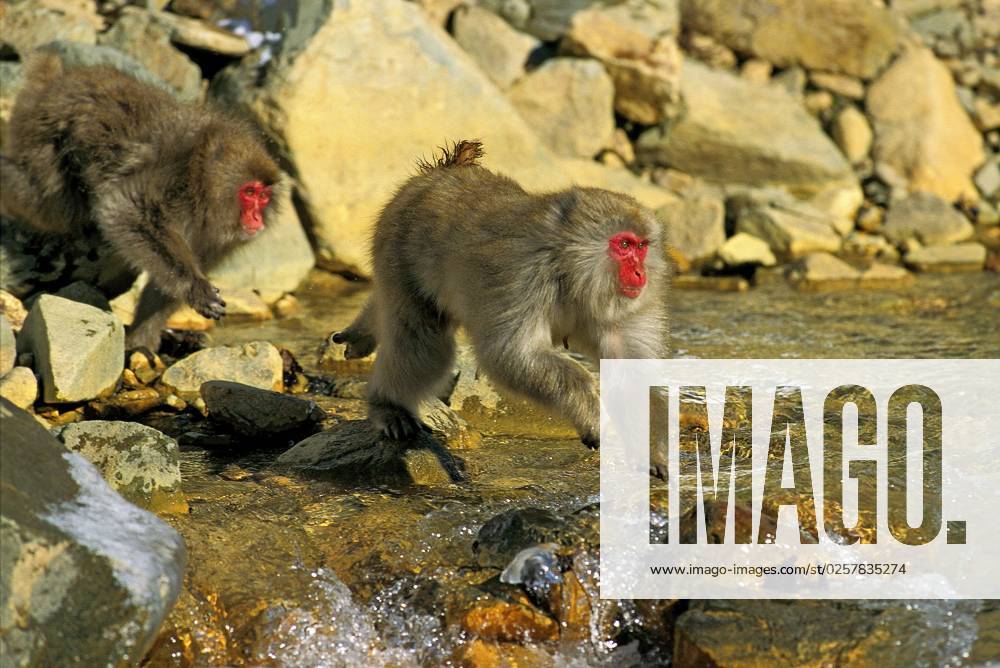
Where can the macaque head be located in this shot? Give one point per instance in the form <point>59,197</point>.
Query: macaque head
<point>254,197</point>
<point>628,251</point>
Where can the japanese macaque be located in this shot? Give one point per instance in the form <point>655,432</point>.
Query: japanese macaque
<point>461,246</point>
<point>172,188</point>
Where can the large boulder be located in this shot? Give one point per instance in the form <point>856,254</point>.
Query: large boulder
<point>568,101</point>
<point>499,50</point>
<point>79,350</point>
<point>86,578</point>
<point>139,462</point>
<point>734,131</point>
<point>375,86</point>
<point>921,130</point>
<point>853,37</point>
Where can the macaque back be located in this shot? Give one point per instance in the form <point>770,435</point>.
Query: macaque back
<point>171,187</point>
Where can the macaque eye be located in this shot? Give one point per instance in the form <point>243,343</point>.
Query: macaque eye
<point>623,243</point>
<point>249,191</point>
<point>643,244</point>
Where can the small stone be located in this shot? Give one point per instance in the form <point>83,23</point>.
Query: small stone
<point>757,71</point>
<point>78,349</point>
<point>257,364</point>
<point>19,386</point>
<point>500,51</point>
<point>251,411</point>
<point>823,271</point>
<point>839,84</point>
<point>622,145</point>
<point>175,402</point>
<point>12,308</point>
<point>243,304</point>
<point>793,81</point>
<point>135,459</point>
<point>8,346</point>
<point>506,621</point>
<point>568,101</point>
<point>927,218</point>
<point>852,134</point>
<point>969,256</point>
<point>145,371</point>
<point>130,380</point>
<point>704,48</point>
<point>743,249</point>
<point>127,404</point>
<point>885,276</point>
<point>987,214</point>
<point>870,218</point>
<point>818,102</point>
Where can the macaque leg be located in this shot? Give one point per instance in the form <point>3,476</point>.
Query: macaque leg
<point>541,373</point>
<point>151,315</point>
<point>360,334</point>
<point>415,358</point>
<point>172,265</point>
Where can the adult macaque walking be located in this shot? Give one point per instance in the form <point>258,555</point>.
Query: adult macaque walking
<point>522,273</point>
<point>171,187</point>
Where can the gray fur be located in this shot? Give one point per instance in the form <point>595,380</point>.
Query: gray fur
<point>460,245</point>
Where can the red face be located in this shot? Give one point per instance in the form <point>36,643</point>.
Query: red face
<point>254,197</point>
<point>629,251</point>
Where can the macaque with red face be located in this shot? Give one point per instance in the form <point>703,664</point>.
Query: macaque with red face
<point>461,246</point>
<point>171,187</point>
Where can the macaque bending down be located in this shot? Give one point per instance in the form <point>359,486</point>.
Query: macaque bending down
<point>171,187</point>
<point>522,273</point>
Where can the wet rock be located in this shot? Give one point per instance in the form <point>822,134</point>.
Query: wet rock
<point>273,263</point>
<point>839,84</point>
<point>138,34</point>
<point>790,228</point>
<point>568,101</point>
<point>85,293</point>
<point>8,346</point>
<point>822,271</point>
<point>448,426</point>
<point>852,134</point>
<point>87,577</point>
<point>736,132</point>
<point>928,219</point>
<point>742,249</point>
<point>499,50</point>
<point>858,37</point>
<point>695,225</point>
<point>506,534</point>
<point>969,256</point>
<point>13,310</point>
<point>885,276</point>
<point>508,621</point>
<point>126,404</point>
<point>139,462</point>
<point>483,654</point>
<point>257,364</point>
<point>251,411</point>
<point>19,386</point>
<point>635,42</point>
<point>921,130</point>
<point>354,452</point>
<point>536,569</point>
<point>78,349</point>
<point>28,25</point>
<point>389,59</point>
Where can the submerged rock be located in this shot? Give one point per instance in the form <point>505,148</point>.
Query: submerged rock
<point>257,364</point>
<point>141,463</point>
<point>355,452</point>
<point>536,569</point>
<point>510,532</point>
<point>251,411</point>
<point>79,350</point>
<point>87,578</point>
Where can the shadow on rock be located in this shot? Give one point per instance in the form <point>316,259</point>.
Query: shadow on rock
<point>356,452</point>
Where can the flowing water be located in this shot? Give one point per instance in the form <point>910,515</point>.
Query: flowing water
<point>291,571</point>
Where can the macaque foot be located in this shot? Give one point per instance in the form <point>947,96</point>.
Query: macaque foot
<point>592,442</point>
<point>658,467</point>
<point>204,298</point>
<point>395,422</point>
<point>358,345</point>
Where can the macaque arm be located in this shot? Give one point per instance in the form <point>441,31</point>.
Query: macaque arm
<point>525,361</point>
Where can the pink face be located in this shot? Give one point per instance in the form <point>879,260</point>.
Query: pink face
<point>254,197</point>
<point>629,251</point>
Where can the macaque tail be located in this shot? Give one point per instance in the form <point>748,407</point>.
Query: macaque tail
<point>463,153</point>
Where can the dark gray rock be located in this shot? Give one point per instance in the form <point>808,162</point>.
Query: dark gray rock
<point>355,452</point>
<point>251,411</point>
<point>86,577</point>
<point>505,535</point>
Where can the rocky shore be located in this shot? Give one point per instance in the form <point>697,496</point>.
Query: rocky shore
<point>836,147</point>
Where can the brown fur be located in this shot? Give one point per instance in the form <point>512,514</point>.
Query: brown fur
<point>464,153</point>
<point>92,148</point>
<point>461,245</point>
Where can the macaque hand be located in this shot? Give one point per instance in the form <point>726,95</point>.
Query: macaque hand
<point>357,345</point>
<point>204,298</point>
